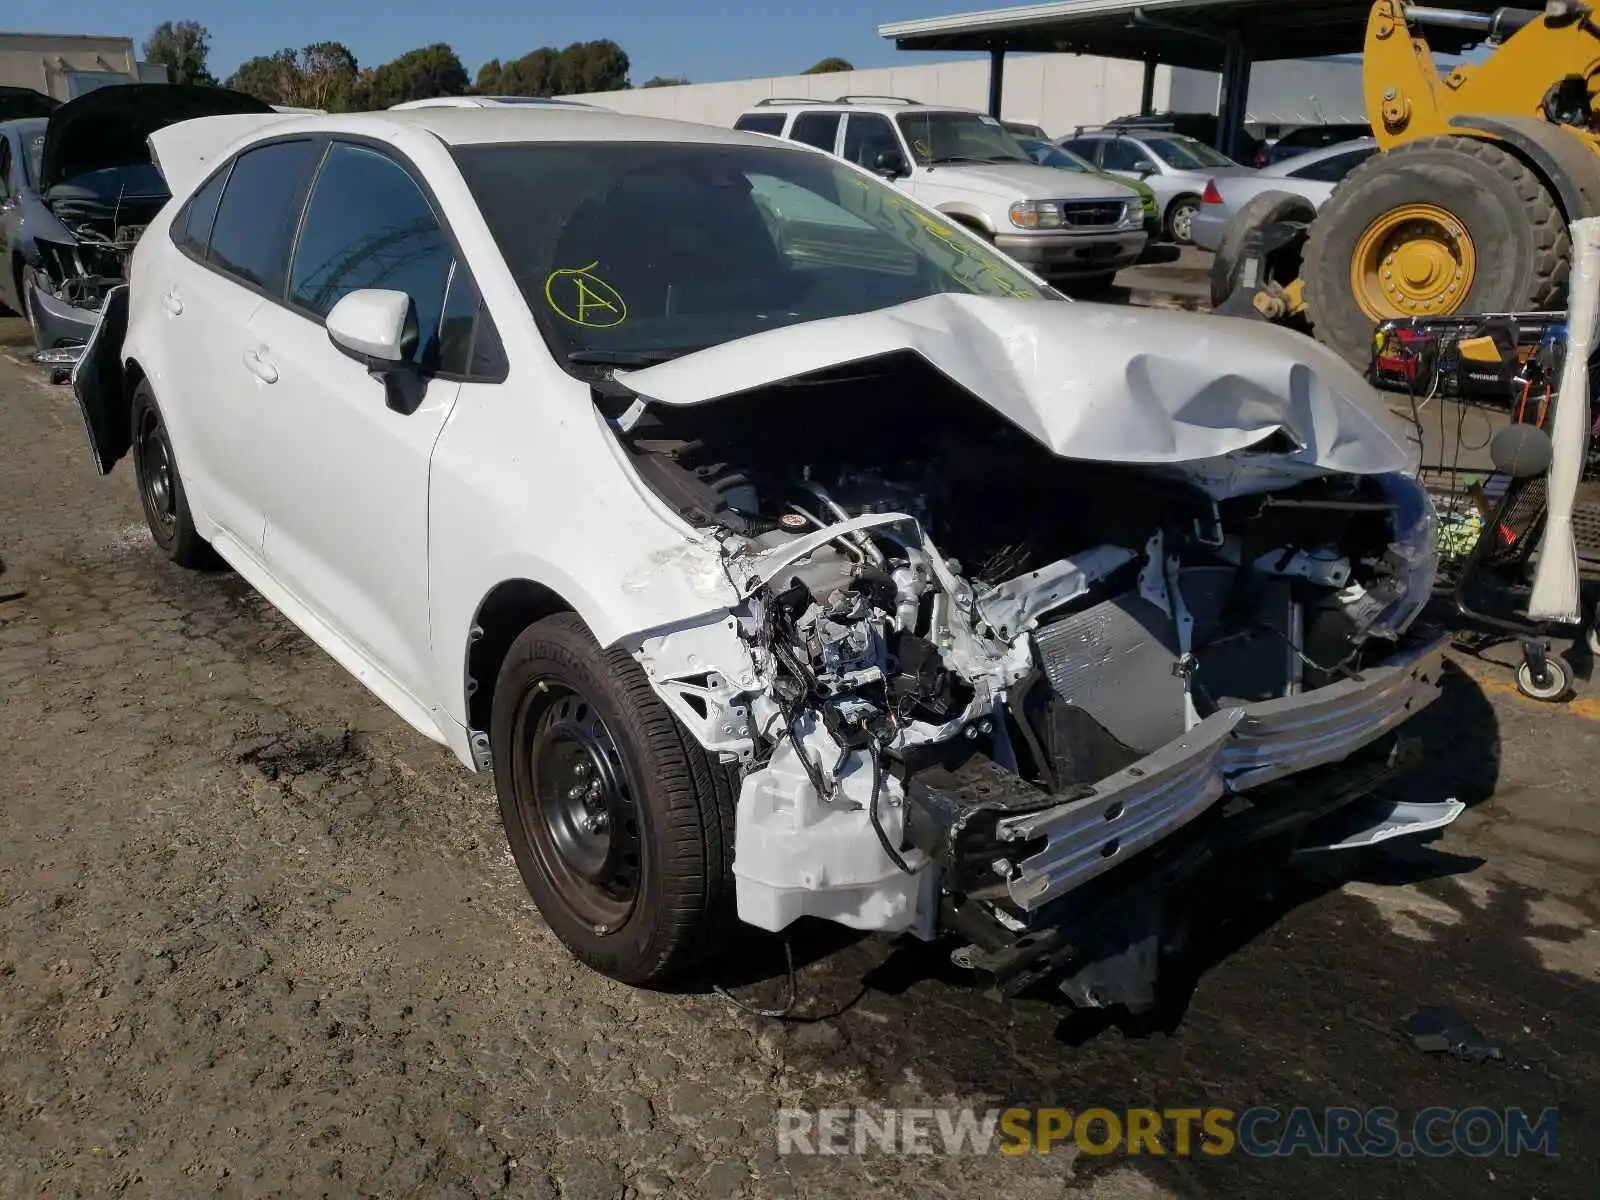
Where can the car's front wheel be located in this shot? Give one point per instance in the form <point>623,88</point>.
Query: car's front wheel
<point>621,827</point>
<point>1180,219</point>
<point>166,504</point>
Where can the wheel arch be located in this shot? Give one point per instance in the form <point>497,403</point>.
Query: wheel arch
<point>969,217</point>
<point>504,612</point>
<point>1563,161</point>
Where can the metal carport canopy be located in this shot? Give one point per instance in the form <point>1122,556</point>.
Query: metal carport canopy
<point>1180,33</point>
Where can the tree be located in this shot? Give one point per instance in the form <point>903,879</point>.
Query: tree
<point>828,66</point>
<point>181,47</point>
<point>328,76</point>
<point>321,75</point>
<point>600,66</point>
<point>665,81</point>
<point>419,74</point>
<point>274,78</point>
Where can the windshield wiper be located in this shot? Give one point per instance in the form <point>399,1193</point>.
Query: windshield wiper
<point>626,358</point>
<point>973,158</point>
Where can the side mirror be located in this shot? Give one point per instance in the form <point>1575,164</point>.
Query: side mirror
<point>890,164</point>
<point>378,328</point>
<point>1145,170</point>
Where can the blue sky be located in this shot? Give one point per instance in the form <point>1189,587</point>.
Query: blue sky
<point>703,39</point>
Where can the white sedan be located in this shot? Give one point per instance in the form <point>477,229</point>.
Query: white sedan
<point>778,558</point>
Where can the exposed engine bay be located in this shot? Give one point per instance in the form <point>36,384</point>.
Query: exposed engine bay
<point>80,272</point>
<point>967,667</point>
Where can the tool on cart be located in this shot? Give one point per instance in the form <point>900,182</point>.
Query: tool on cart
<point>1481,168</point>
<point>1493,527</point>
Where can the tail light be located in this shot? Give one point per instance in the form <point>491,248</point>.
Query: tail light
<point>1212,196</point>
<point>1261,157</point>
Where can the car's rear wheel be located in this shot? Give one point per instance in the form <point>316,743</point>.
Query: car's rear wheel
<point>621,827</point>
<point>166,504</point>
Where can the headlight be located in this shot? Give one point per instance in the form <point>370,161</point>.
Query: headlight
<point>1036,214</point>
<point>1133,217</point>
<point>1412,558</point>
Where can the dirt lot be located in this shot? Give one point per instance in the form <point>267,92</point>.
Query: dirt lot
<point>258,937</point>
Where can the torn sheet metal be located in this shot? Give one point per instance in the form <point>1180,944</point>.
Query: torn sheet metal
<point>1089,381</point>
<point>1555,594</point>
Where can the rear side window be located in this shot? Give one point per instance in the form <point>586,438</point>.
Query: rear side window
<point>368,225</point>
<point>1336,166</point>
<point>192,228</point>
<point>1088,148</point>
<point>760,123</point>
<point>5,169</point>
<point>260,206</point>
<point>816,129</point>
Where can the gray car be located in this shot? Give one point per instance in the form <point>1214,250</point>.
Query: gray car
<point>1176,167</point>
<point>1311,176</point>
<point>77,188</point>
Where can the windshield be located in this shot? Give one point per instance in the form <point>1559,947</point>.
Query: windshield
<point>1048,154</point>
<point>954,137</point>
<point>1187,154</point>
<point>110,184</point>
<point>631,252</point>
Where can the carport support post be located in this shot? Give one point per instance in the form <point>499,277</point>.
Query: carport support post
<point>997,76</point>
<point>1147,90</point>
<point>1235,94</point>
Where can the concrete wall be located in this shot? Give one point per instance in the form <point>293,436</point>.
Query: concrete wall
<point>49,62</point>
<point>1058,91</point>
<point>1296,92</point>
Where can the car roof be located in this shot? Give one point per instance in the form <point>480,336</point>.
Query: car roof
<point>489,102</point>
<point>467,126</point>
<point>844,106</point>
<point>1295,161</point>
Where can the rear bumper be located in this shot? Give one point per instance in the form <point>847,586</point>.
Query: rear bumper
<point>1066,255</point>
<point>1209,226</point>
<point>1232,751</point>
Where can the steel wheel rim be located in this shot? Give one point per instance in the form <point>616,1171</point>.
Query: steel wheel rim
<point>1417,260</point>
<point>578,811</point>
<point>155,473</point>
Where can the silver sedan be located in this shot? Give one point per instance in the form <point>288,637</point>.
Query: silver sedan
<point>1312,176</point>
<point>1175,167</point>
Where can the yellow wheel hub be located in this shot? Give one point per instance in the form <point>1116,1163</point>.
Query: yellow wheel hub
<point>1413,261</point>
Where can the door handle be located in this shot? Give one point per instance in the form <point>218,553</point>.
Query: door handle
<point>171,303</point>
<point>260,367</point>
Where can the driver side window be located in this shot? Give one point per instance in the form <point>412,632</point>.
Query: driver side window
<point>866,137</point>
<point>368,225</point>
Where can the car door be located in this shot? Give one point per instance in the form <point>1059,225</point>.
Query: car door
<point>232,239</point>
<point>347,510</point>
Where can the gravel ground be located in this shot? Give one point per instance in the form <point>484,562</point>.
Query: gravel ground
<point>258,937</point>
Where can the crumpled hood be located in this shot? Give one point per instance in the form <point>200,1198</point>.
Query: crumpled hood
<point>1021,181</point>
<point>1089,381</point>
<point>108,127</point>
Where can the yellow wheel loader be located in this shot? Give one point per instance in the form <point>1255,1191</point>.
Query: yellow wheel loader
<point>1465,208</point>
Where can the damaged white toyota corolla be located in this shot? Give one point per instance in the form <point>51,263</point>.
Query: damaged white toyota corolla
<point>782,549</point>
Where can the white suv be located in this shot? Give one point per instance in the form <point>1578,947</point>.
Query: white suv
<point>1060,225</point>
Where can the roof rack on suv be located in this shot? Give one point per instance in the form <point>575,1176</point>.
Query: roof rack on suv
<point>867,96</point>
<point>1119,126</point>
<point>785,100</point>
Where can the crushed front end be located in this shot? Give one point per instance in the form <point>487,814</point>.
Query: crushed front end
<point>982,691</point>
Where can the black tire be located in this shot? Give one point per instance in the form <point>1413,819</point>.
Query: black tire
<point>561,699</point>
<point>161,492</point>
<point>1180,218</point>
<point>1520,236</point>
<point>1265,209</point>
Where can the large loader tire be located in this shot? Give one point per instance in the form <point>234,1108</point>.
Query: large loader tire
<point>1441,225</point>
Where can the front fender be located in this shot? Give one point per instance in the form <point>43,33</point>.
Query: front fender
<point>1565,158</point>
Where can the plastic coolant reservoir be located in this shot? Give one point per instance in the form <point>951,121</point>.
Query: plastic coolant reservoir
<point>797,855</point>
